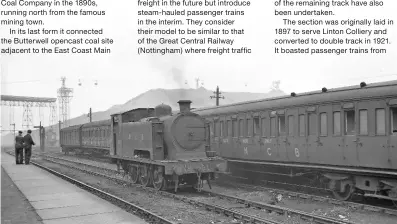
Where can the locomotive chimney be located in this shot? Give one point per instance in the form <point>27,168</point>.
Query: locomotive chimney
<point>184,105</point>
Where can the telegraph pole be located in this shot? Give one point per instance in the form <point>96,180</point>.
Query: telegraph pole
<point>217,96</point>
<point>90,115</point>
<point>42,136</point>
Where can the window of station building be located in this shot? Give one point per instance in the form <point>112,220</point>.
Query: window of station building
<point>302,125</point>
<point>323,124</point>
<point>221,129</point>
<point>363,124</point>
<point>393,122</point>
<point>235,128</point>
<point>337,123</point>
<point>380,121</point>
<point>229,128</point>
<point>291,125</point>
<point>257,127</point>
<point>242,129</point>
<point>312,124</point>
<point>350,127</point>
<point>273,129</point>
<point>281,126</point>
<point>212,128</point>
<point>250,127</point>
<point>263,126</point>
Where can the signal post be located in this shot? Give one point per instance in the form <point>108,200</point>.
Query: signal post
<point>42,136</point>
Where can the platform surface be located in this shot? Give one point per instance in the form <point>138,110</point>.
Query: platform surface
<point>54,200</point>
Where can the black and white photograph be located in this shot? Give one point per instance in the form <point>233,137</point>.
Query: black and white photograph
<point>198,111</point>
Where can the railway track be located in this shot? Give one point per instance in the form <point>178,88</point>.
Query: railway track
<point>294,194</point>
<point>113,174</point>
<point>353,203</point>
<point>127,206</point>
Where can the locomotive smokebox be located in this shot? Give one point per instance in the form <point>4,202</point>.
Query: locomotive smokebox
<point>184,105</point>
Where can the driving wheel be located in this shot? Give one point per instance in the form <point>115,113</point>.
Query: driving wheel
<point>158,178</point>
<point>144,176</point>
<point>134,174</point>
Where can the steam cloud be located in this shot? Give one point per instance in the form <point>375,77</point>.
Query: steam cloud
<point>173,67</point>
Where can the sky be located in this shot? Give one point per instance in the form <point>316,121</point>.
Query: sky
<point>124,74</point>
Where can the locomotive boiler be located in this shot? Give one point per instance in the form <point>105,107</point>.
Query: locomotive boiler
<point>154,147</point>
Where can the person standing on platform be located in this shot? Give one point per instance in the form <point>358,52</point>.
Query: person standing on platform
<point>28,142</point>
<point>19,148</point>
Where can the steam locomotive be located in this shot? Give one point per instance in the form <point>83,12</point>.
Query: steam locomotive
<point>151,145</point>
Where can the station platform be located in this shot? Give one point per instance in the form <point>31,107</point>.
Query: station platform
<point>32,195</point>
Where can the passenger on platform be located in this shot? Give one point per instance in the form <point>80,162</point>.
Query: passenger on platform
<point>28,142</point>
<point>19,148</point>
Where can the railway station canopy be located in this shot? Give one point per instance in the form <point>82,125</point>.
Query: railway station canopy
<point>27,99</point>
<point>22,100</point>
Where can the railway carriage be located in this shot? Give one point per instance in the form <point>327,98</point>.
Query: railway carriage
<point>70,138</point>
<point>96,137</point>
<point>347,135</point>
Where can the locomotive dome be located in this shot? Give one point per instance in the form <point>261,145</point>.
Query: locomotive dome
<point>162,110</point>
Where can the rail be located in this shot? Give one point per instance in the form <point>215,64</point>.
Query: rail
<point>129,207</point>
<point>219,209</point>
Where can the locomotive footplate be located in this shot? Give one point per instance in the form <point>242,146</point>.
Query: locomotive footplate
<point>181,167</point>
